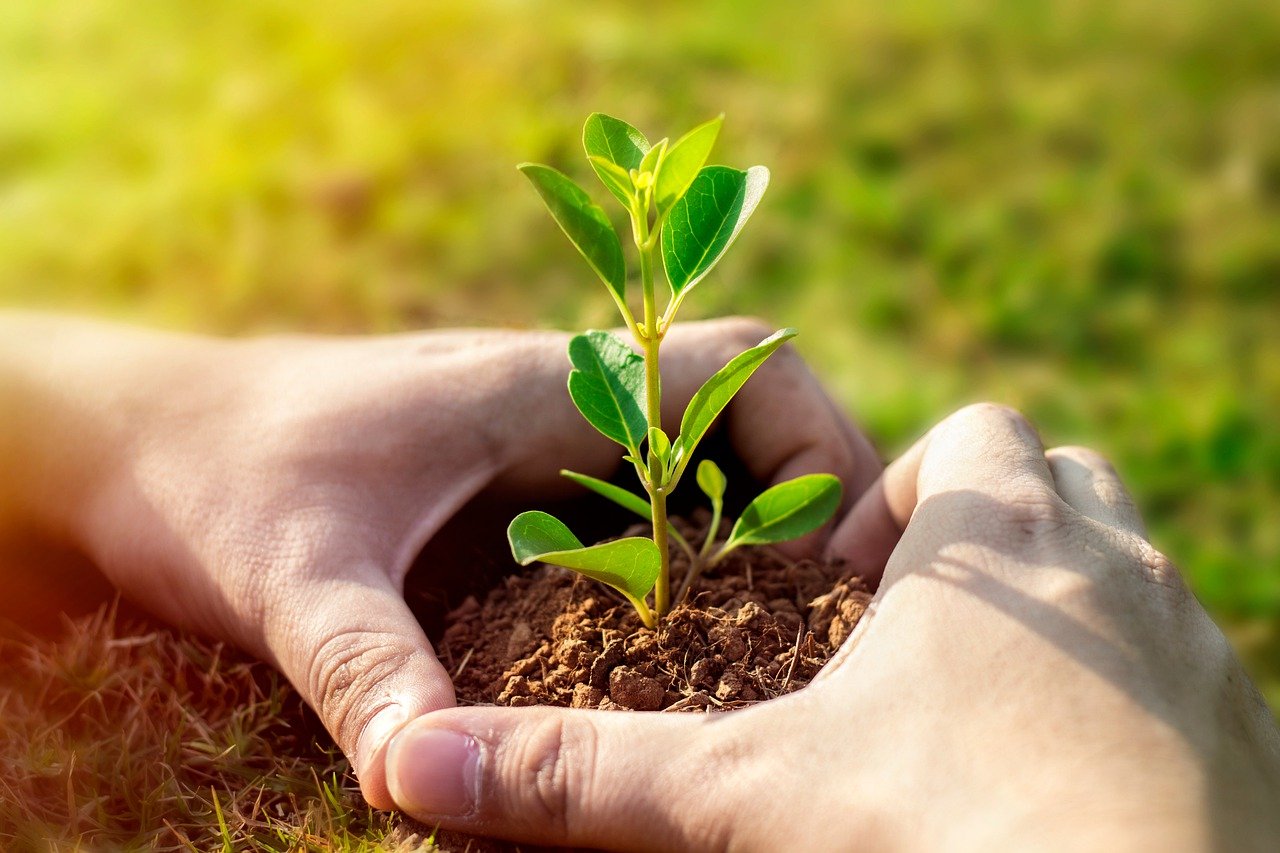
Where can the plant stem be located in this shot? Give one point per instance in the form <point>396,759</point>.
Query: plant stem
<point>717,507</point>
<point>646,615</point>
<point>653,396</point>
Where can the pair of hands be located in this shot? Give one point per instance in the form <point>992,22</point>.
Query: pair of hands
<point>1029,663</point>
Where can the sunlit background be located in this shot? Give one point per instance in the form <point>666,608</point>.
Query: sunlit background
<point>1070,207</point>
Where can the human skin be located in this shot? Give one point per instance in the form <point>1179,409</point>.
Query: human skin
<point>1031,674</point>
<point>274,492</point>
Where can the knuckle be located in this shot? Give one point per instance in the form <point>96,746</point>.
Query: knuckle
<point>988,412</point>
<point>345,671</point>
<point>1156,569</point>
<point>1086,456</point>
<point>980,424</point>
<point>551,768</point>
<point>1034,512</point>
<point>1024,514</point>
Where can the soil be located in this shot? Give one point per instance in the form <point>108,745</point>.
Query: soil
<point>755,628</point>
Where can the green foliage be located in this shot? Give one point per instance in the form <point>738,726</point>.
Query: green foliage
<point>683,163</point>
<point>617,494</point>
<point>711,480</point>
<point>583,222</point>
<point>607,386</point>
<point>706,220</point>
<point>615,389</point>
<point>788,510</point>
<point>628,565</point>
<point>617,144</point>
<point>716,392</point>
<point>625,499</point>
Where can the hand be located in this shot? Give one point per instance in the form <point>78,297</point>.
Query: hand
<point>275,492</point>
<point>1031,674</point>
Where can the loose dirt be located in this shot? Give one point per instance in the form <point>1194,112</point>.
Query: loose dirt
<point>755,628</point>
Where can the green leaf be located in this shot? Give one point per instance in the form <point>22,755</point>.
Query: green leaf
<point>616,178</point>
<point>703,223</point>
<point>683,161</point>
<point>607,386</point>
<point>659,445</point>
<point>653,157</point>
<point>583,222</point>
<point>787,511</point>
<point>617,142</point>
<point>711,480</point>
<point>717,391</point>
<point>623,498</point>
<point>629,565</point>
<point>617,494</point>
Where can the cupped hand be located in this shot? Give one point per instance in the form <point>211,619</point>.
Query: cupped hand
<point>275,492</point>
<point>1031,674</point>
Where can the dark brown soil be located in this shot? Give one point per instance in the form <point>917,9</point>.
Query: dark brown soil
<point>755,628</point>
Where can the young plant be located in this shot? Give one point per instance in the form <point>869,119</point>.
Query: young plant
<point>689,213</point>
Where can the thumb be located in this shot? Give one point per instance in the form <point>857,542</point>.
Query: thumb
<point>359,658</point>
<point>607,779</point>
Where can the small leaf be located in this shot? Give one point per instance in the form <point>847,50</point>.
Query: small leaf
<point>616,178</point>
<point>617,494</point>
<point>533,534</point>
<point>629,565</point>
<point>703,224</point>
<point>711,480</point>
<point>787,511</point>
<point>623,498</point>
<point>659,445</point>
<point>717,391</point>
<point>583,222</point>
<point>607,386</point>
<point>653,158</point>
<point>617,142</point>
<point>683,161</point>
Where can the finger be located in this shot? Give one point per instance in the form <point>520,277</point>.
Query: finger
<point>360,659</point>
<point>985,450</point>
<point>551,775</point>
<point>1088,482</point>
<point>782,424</point>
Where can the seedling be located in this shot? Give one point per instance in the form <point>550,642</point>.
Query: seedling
<point>690,213</point>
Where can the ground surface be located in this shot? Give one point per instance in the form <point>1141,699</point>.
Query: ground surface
<point>754,628</point>
<point>122,735</point>
<point>1067,206</point>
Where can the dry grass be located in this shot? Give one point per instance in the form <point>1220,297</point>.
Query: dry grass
<point>120,735</point>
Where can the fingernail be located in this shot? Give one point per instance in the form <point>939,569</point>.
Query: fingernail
<point>433,771</point>
<point>376,734</point>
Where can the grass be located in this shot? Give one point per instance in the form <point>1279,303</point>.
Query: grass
<point>1072,207</point>
<point>125,736</point>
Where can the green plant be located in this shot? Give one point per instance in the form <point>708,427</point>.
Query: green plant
<point>691,213</point>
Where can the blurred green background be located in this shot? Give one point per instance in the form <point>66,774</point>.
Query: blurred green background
<point>1070,207</point>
